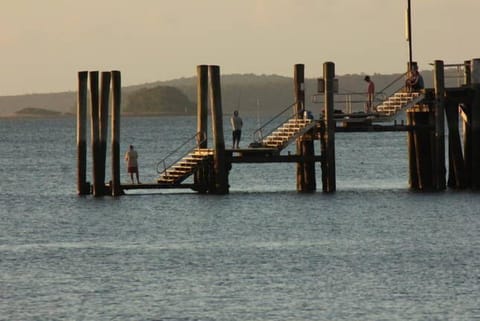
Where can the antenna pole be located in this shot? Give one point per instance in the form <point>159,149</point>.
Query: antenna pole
<point>409,34</point>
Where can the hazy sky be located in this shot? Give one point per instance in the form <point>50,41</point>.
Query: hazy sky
<point>45,43</point>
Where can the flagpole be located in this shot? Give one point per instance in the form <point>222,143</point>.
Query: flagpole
<point>409,34</point>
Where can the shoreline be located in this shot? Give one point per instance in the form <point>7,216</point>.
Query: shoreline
<point>36,116</point>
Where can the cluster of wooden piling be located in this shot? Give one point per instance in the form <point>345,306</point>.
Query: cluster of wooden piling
<point>426,139</point>
<point>464,165</point>
<point>211,178</point>
<point>99,115</point>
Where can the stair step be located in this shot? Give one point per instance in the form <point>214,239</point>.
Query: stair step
<point>185,166</point>
<point>284,134</point>
<point>180,167</point>
<point>291,128</point>
<point>273,145</point>
<point>389,103</point>
<point>202,152</point>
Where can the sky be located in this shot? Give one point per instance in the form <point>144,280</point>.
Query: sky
<point>43,44</point>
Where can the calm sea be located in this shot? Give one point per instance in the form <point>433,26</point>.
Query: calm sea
<point>371,251</point>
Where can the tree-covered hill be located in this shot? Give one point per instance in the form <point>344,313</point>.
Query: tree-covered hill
<point>158,100</point>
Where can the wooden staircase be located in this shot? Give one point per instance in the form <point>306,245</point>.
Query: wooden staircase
<point>399,101</point>
<point>287,132</point>
<point>186,166</point>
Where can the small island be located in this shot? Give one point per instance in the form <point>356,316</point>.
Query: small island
<point>38,112</point>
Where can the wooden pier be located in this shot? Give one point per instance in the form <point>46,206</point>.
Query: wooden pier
<point>426,112</point>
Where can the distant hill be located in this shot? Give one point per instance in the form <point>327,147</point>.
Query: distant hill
<point>157,101</point>
<point>38,112</point>
<point>249,93</point>
<point>61,102</point>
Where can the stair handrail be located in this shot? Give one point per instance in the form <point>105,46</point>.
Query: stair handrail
<point>390,84</point>
<point>198,143</point>
<point>394,81</point>
<point>259,131</point>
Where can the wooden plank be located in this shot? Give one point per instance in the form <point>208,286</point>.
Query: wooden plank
<point>155,186</point>
<point>275,159</point>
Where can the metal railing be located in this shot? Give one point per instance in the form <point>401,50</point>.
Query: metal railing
<point>272,124</point>
<point>393,82</point>
<point>350,99</point>
<point>199,138</point>
<point>455,75</point>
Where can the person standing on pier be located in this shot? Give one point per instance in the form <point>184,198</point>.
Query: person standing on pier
<point>237,124</point>
<point>131,157</point>
<point>370,93</point>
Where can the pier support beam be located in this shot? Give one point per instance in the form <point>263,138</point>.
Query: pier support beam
<point>456,165</point>
<point>299,94</point>
<point>98,184</point>
<point>465,111</point>
<point>103,123</point>
<point>328,134</point>
<point>306,181</point>
<point>83,187</point>
<point>420,150</point>
<point>467,73</point>
<point>202,105</point>
<point>412,155</point>
<point>475,125</point>
<point>201,176</point>
<point>439,180</point>
<point>220,185</point>
<point>116,103</point>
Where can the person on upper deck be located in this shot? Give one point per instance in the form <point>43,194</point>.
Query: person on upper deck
<point>415,81</point>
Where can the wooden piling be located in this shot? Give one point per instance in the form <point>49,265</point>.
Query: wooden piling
<point>202,105</point>
<point>475,125</point>
<point>467,75</point>
<point>98,185</point>
<point>220,185</point>
<point>115,137</point>
<point>412,155</point>
<point>308,152</point>
<point>298,108</point>
<point>299,89</point>
<point>299,94</point>
<point>420,147</point>
<point>328,146</point>
<point>306,181</point>
<point>456,166</point>
<point>83,187</point>
<point>466,129</point>
<point>439,180</point>
<point>467,140</point>
<point>103,122</point>
<point>201,176</point>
